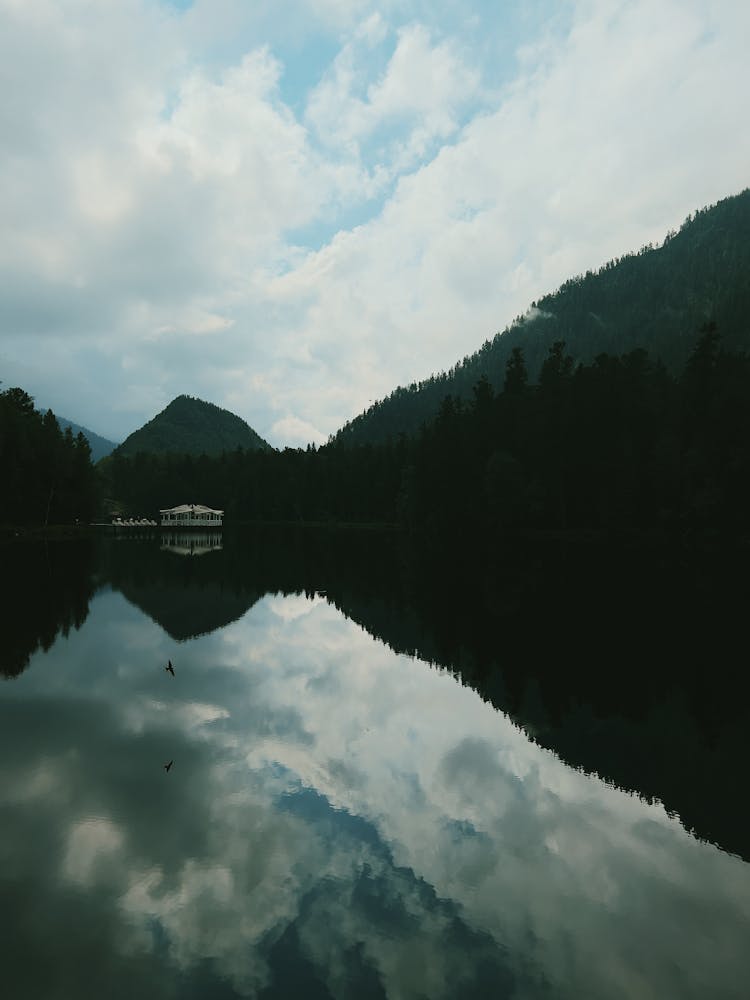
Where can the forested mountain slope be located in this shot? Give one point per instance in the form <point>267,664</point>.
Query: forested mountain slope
<point>190,426</point>
<point>656,299</point>
<point>100,446</point>
<point>619,444</point>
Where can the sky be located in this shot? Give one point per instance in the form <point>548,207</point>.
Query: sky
<point>289,208</point>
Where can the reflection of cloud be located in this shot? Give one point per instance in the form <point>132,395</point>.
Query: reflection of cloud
<point>293,606</point>
<point>471,772</point>
<point>345,813</point>
<point>182,715</point>
<point>89,842</point>
<point>472,762</point>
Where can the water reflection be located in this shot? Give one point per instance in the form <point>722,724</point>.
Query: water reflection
<point>187,597</point>
<point>185,543</point>
<point>339,819</point>
<point>46,588</point>
<point>621,661</point>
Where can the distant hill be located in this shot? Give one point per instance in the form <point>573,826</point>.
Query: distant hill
<point>100,446</point>
<point>657,299</point>
<point>193,427</point>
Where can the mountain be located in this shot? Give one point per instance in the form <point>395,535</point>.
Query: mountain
<point>192,427</point>
<point>99,445</point>
<point>657,299</point>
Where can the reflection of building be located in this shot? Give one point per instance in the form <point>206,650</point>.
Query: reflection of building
<point>193,515</point>
<point>193,543</point>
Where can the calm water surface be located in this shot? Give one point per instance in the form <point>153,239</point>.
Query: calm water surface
<point>338,821</point>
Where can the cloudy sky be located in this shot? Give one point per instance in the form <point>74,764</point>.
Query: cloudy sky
<point>288,208</point>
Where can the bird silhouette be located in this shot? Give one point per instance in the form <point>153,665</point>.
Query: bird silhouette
<point>169,668</point>
<point>167,766</point>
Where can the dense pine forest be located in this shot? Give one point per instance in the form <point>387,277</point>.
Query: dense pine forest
<point>621,403</point>
<point>654,299</point>
<point>192,427</point>
<point>48,477</point>
<point>100,446</point>
<point>619,443</point>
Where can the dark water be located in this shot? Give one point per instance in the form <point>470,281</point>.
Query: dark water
<point>352,809</point>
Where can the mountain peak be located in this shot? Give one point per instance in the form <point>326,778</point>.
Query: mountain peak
<point>192,426</point>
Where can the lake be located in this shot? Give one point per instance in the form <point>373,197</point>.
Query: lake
<point>375,787</point>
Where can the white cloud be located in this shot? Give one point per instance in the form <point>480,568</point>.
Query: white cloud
<point>154,182</point>
<point>424,84</point>
<point>599,149</point>
<point>296,432</point>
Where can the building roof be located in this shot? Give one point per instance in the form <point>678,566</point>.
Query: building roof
<point>191,508</point>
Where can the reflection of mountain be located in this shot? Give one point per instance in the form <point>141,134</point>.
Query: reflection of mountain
<point>186,597</point>
<point>186,612</point>
<point>285,854</point>
<point>46,588</point>
<point>620,661</point>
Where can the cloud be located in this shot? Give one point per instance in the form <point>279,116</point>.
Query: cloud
<point>296,432</point>
<point>539,189</point>
<point>428,178</point>
<point>422,87</point>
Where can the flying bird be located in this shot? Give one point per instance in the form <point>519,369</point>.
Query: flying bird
<point>169,668</point>
<point>167,766</point>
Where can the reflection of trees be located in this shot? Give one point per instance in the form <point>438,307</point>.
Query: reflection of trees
<point>623,662</point>
<point>620,660</point>
<point>186,597</point>
<point>46,589</point>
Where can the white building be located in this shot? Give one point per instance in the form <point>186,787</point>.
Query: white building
<point>191,515</point>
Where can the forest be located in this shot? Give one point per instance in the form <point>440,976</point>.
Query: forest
<point>654,298</point>
<point>48,476</point>
<point>618,444</point>
<point>619,403</point>
<point>192,427</point>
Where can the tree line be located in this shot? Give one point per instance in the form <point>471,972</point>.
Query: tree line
<point>655,297</point>
<point>616,443</point>
<point>48,477</point>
